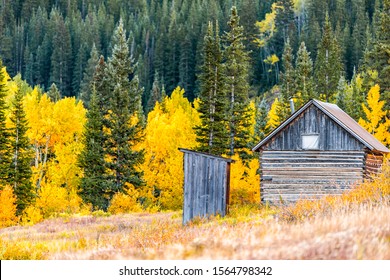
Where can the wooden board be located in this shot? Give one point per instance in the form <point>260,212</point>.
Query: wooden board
<point>206,185</point>
<point>291,175</point>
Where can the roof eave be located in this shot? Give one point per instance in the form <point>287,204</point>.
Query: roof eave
<point>361,140</point>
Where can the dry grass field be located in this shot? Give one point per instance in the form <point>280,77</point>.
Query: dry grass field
<point>353,226</point>
<point>359,233</point>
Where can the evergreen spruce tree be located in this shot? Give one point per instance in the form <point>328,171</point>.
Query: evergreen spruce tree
<point>155,94</point>
<point>358,37</point>
<point>212,132</point>
<point>61,65</point>
<point>89,72</point>
<point>284,24</point>
<point>358,96</point>
<point>4,131</point>
<point>261,118</point>
<point>304,76</point>
<point>53,93</point>
<point>78,70</point>
<point>329,67</point>
<point>20,172</point>
<point>124,119</point>
<point>378,58</point>
<point>92,159</point>
<point>287,86</point>
<point>99,83</point>
<point>236,69</point>
<point>341,95</point>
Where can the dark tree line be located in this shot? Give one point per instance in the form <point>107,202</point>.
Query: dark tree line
<point>51,41</point>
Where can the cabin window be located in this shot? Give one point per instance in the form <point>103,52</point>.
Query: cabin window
<point>310,141</point>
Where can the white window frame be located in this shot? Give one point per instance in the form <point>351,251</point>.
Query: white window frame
<point>310,141</point>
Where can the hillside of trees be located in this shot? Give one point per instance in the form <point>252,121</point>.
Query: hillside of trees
<point>96,96</point>
<point>52,41</point>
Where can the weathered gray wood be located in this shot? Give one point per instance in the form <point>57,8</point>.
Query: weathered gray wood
<point>290,175</point>
<point>312,120</point>
<point>205,185</point>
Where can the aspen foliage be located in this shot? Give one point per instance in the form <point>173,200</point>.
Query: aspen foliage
<point>127,202</point>
<point>7,207</point>
<point>244,182</point>
<point>375,120</point>
<point>266,27</point>
<point>273,117</point>
<point>55,131</point>
<point>170,126</point>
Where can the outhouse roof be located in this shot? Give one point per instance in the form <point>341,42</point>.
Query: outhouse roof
<point>341,118</point>
<point>206,155</point>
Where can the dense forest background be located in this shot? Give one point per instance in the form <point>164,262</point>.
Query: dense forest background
<point>51,41</point>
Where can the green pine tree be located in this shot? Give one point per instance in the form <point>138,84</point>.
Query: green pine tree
<point>20,172</point>
<point>89,72</point>
<point>155,94</point>
<point>329,67</point>
<point>212,132</point>
<point>284,24</point>
<point>236,70</point>
<point>4,131</point>
<point>124,119</point>
<point>341,95</point>
<point>92,159</point>
<point>287,86</point>
<point>61,57</point>
<point>261,130</point>
<point>378,57</point>
<point>53,93</point>
<point>304,76</point>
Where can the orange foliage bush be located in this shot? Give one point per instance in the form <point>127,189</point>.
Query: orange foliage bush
<point>7,207</point>
<point>244,182</point>
<point>52,201</point>
<point>371,191</point>
<point>125,202</point>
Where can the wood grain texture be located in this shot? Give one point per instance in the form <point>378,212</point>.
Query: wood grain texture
<point>287,176</point>
<point>206,185</point>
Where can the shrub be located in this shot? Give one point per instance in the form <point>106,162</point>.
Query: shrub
<point>125,202</point>
<point>244,182</point>
<point>7,207</point>
<point>22,250</point>
<point>54,200</point>
<point>31,215</point>
<point>371,191</point>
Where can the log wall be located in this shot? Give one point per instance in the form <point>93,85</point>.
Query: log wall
<point>373,164</point>
<point>287,176</point>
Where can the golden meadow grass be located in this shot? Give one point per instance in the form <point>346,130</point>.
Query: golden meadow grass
<point>355,225</point>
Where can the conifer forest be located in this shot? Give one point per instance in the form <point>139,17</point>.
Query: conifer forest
<point>96,96</point>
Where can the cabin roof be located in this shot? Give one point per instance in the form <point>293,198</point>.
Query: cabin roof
<point>206,155</point>
<point>337,115</point>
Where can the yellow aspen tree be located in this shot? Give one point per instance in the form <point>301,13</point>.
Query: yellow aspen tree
<point>244,182</point>
<point>170,126</point>
<point>7,207</point>
<point>39,110</point>
<point>375,120</point>
<point>55,132</point>
<point>273,117</point>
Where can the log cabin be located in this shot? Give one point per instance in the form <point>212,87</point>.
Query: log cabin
<point>319,150</point>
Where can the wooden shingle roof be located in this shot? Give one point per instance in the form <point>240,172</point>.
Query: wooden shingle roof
<point>341,118</point>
